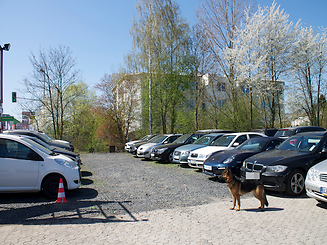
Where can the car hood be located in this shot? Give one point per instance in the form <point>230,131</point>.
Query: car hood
<point>274,157</point>
<point>149,145</point>
<point>63,151</point>
<point>210,149</point>
<point>321,167</point>
<point>189,147</point>
<point>219,157</point>
<point>170,145</point>
<point>58,144</point>
<point>62,142</point>
<point>132,142</point>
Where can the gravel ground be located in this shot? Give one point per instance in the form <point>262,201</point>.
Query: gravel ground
<point>116,184</point>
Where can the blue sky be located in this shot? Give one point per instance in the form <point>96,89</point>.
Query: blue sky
<point>96,31</point>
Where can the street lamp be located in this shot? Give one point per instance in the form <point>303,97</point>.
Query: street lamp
<point>5,47</point>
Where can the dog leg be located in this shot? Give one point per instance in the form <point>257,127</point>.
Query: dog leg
<point>238,198</point>
<point>259,194</point>
<point>234,203</point>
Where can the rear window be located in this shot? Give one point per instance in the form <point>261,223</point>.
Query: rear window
<point>285,133</point>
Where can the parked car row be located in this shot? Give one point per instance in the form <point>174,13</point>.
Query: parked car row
<point>294,160</point>
<point>31,161</point>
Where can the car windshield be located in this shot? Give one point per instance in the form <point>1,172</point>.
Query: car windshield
<point>253,145</point>
<point>146,137</point>
<point>285,133</point>
<point>45,145</point>
<point>159,139</point>
<point>182,139</point>
<point>204,140</point>
<point>43,137</point>
<point>38,146</point>
<point>46,136</point>
<point>300,143</point>
<point>224,140</point>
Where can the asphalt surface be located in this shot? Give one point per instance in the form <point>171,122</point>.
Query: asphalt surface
<point>125,200</point>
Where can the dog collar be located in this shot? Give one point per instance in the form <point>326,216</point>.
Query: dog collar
<point>232,181</point>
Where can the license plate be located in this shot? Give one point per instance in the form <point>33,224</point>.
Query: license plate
<point>206,167</point>
<point>323,191</point>
<point>192,161</point>
<point>176,157</point>
<point>152,154</point>
<point>252,175</point>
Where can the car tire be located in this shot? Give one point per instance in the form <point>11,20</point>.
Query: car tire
<point>295,183</point>
<point>170,157</point>
<point>50,186</point>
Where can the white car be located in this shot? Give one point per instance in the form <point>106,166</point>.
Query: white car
<point>128,144</point>
<point>144,151</point>
<point>226,142</point>
<point>26,166</point>
<point>316,181</point>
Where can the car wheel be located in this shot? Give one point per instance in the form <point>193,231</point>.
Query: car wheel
<point>170,157</point>
<point>50,186</point>
<point>295,183</point>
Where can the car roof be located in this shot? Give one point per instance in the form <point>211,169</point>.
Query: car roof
<point>301,127</point>
<point>313,133</point>
<point>21,131</point>
<point>240,133</point>
<point>211,131</point>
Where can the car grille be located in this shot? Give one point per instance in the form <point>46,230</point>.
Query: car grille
<point>177,153</point>
<point>323,177</point>
<point>250,166</point>
<point>194,155</point>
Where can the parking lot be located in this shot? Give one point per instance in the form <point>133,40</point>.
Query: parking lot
<point>127,200</point>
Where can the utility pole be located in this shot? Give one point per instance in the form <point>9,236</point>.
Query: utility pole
<point>5,47</point>
<point>150,94</point>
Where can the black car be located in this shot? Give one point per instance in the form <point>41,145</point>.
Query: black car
<point>290,131</point>
<point>233,159</point>
<point>267,131</point>
<point>285,168</point>
<point>164,153</point>
<point>41,136</point>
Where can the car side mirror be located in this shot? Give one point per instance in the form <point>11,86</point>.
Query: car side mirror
<point>236,144</point>
<point>324,150</point>
<point>269,148</point>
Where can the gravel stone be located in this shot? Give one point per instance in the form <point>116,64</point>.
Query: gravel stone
<point>115,184</point>
<point>150,185</point>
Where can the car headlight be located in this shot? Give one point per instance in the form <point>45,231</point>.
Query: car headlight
<point>276,168</point>
<point>68,164</point>
<point>313,174</point>
<point>229,159</point>
<point>185,153</point>
<point>161,150</point>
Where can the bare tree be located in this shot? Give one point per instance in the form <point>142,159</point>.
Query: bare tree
<point>309,63</point>
<point>53,74</point>
<point>219,20</point>
<point>118,104</point>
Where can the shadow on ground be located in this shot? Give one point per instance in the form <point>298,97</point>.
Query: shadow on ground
<point>82,207</point>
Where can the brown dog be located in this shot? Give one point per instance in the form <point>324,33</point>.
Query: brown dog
<point>238,189</point>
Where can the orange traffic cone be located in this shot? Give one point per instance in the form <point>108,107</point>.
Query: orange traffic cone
<point>61,193</point>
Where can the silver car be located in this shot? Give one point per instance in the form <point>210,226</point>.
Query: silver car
<point>316,181</point>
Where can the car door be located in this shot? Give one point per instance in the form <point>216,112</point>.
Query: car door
<point>239,140</point>
<point>17,170</point>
